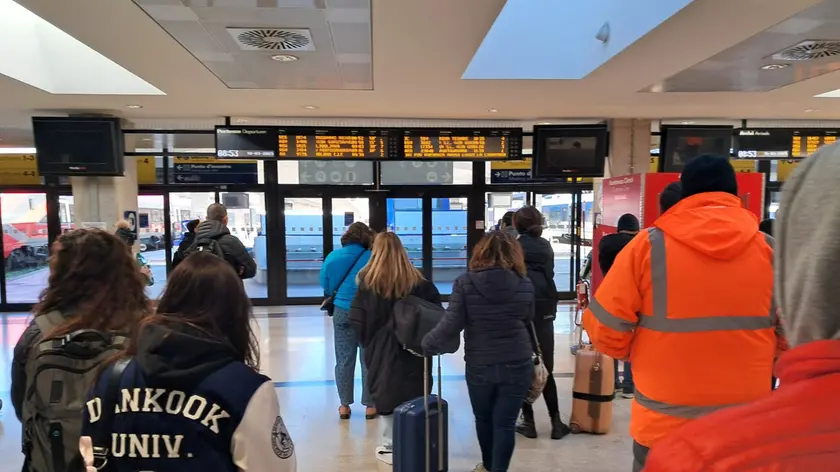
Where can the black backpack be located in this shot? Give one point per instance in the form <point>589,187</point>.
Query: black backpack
<point>210,245</point>
<point>59,373</point>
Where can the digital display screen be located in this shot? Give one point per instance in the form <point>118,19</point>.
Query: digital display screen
<point>462,144</point>
<point>763,144</point>
<point>332,147</point>
<point>685,143</point>
<point>561,152</point>
<point>806,142</point>
<point>78,146</point>
<point>246,142</point>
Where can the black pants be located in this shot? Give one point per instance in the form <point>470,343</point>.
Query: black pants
<point>545,336</point>
<point>640,454</point>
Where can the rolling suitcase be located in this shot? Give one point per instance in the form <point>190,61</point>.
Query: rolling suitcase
<point>421,431</point>
<point>593,392</point>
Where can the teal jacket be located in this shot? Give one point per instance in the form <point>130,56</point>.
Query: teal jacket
<point>336,265</point>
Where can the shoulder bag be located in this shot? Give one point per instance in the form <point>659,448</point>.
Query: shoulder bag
<point>540,377</point>
<point>328,304</point>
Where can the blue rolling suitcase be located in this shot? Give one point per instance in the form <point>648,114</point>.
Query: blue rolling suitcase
<point>421,431</point>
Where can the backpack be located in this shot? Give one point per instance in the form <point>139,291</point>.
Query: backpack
<point>60,372</point>
<point>414,317</point>
<point>210,245</point>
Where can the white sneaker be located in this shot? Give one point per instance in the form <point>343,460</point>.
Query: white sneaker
<point>479,468</point>
<point>385,454</point>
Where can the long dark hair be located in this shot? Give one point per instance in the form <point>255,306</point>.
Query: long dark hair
<point>94,282</point>
<point>205,293</point>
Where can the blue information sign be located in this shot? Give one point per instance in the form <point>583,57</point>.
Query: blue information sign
<point>510,176</point>
<point>216,173</point>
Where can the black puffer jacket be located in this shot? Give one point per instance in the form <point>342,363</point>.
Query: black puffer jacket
<point>539,259</point>
<point>609,247</point>
<point>232,247</point>
<point>395,376</point>
<point>495,308</point>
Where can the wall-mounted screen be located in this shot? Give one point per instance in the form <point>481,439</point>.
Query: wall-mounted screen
<point>463,144</point>
<point>569,151</point>
<point>768,143</point>
<point>680,144</point>
<point>68,146</point>
<point>246,142</point>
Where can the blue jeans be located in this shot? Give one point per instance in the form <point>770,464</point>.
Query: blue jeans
<point>628,376</point>
<point>496,393</point>
<point>346,347</point>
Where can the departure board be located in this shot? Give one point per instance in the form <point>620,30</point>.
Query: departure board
<point>462,144</point>
<point>334,143</point>
<point>245,142</point>
<point>807,142</point>
<point>768,143</point>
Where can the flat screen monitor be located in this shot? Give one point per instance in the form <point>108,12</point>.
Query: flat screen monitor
<point>769,143</point>
<point>70,146</point>
<point>683,143</point>
<point>463,144</point>
<point>246,142</point>
<point>569,151</point>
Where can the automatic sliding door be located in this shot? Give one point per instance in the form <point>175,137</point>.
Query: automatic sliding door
<point>449,241</point>
<point>25,245</point>
<point>304,221</point>
<point>559,229</point>
<point>404,217</point>
<point>246,221</point>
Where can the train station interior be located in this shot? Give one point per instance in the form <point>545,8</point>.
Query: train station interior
<point>413,81</point>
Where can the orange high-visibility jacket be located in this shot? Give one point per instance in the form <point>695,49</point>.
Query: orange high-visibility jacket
<point>690,303</point>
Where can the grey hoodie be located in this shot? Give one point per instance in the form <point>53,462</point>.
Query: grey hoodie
<point>807,255</point>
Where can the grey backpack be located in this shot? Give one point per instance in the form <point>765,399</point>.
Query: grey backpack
<point>60,371</point>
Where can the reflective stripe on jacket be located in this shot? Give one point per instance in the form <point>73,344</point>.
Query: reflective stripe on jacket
<point>689,302</point>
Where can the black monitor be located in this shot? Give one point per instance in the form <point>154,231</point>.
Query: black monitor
<point>87,146</point>
<point>569,151</point>
<point>680,144</point>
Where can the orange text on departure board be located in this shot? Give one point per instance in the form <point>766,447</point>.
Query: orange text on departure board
<point>456,147</point>
<point>339,147</point>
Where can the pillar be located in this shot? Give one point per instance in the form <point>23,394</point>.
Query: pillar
<point>629,152</point>
<point>101,201</point>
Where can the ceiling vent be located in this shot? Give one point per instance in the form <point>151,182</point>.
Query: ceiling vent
<point>272,39</point>
<point>809,51</point>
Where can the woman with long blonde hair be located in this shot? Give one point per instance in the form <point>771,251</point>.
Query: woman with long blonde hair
<point>395,376</point>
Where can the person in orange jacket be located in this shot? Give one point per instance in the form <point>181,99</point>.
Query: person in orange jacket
<point>797,427</point>
<point>689,303</point>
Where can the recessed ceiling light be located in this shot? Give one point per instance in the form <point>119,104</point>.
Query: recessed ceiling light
<point>134,107</point>
<point>687,122</point>
<point>493,110</point>
<point>310,107</point>
<point>810,110</point>
<point>774,66</point>
<point>284,58</point>
<point>543,122</point>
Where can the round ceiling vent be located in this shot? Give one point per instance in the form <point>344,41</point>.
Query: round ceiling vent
<point>809,50</point>
<point>273,39</point>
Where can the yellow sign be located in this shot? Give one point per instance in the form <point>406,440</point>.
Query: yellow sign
<point>524,164</point>
<point>784,169</point>
<point>146,172</point>
<point>19,169</point>
<point>743,165</point>
<point>654,164</point>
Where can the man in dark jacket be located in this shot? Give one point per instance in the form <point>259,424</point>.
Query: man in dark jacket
<point>186,243</point>
<point>214,231</point>
<point>608,249</point>
<point>670,196</point>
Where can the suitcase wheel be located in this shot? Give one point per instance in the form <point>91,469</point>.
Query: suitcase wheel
<point>575,428</point>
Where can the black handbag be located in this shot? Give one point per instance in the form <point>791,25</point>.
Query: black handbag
<point>328,304</point>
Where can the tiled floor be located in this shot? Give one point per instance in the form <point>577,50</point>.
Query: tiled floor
<point>297,352</point>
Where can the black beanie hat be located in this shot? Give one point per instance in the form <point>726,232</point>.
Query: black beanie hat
<point>708,173</point>
<point>628,222</point>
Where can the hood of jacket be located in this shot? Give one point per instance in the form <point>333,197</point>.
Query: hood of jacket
<point>180,355</point>
<point>497,285</point>
<point>616,241</point>
<point>807,254</point>
<point>536,250</point>
<point>210,229</point>
<point>712,223</point>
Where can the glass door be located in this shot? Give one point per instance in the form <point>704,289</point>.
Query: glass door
<point>563,214</point>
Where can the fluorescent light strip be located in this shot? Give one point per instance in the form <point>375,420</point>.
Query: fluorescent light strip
<point>40,54</point>
<point>17,150</point>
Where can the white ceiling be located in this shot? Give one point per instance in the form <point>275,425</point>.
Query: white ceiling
<point>420,50</point>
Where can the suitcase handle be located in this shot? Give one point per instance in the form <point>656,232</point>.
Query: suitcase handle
<point>428,419</point>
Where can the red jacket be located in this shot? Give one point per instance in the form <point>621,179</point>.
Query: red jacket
<point>794,429</point>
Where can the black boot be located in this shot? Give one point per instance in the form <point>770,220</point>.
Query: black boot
<point>559,429</point>
<point>526,426</point>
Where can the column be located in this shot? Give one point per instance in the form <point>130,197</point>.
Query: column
<point>103,200</point>
<point>629,152</point>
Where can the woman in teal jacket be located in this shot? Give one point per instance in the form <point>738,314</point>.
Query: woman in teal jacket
<point>338,276</point>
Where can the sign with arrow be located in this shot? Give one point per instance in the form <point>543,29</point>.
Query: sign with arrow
<point>209,170</point>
